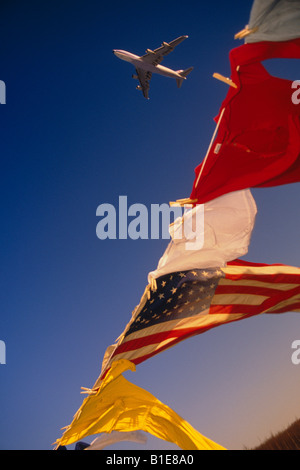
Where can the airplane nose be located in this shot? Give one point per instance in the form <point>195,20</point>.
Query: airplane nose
<point>120,54</point>
<point>117,53</point>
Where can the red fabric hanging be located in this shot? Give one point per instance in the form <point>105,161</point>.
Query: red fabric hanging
<point>258,140</point>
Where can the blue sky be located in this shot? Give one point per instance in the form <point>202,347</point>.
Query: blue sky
<point>75,133</point>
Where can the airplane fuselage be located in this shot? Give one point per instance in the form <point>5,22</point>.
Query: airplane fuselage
<point>138,62</point>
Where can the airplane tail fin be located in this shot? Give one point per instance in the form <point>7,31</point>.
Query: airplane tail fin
<point>183,74</point>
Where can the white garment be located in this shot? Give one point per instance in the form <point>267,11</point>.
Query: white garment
<point>223,235</point>
<point>106,440</point>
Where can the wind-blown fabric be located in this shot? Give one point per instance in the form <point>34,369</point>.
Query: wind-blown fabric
<point>188,303</point>
<point>258,140</point>
<point>106,440</point>
<point>275,20</point>
<point>122,406</point>
<point>221,235</point>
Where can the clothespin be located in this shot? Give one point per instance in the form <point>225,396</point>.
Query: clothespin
<point>153,284</point>
<point>88,391</point>
<point>226,80</point>
<point>182,202</point>
<point>245,32</point>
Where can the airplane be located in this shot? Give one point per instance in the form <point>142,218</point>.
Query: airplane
<point>150,63</point>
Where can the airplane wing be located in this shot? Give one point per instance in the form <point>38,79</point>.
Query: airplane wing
<point>155,57</point>
<point>144,78</point>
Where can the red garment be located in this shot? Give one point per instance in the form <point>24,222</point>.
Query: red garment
<point>258,141</point>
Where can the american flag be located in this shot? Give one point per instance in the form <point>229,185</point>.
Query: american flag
<point>187,303</point>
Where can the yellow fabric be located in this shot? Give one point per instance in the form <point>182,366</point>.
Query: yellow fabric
<point>119,405</point>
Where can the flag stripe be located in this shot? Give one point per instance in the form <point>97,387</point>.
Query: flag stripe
<point>138,352</point>
<point>170,325</point>
<point>238,308</point>
<point>251,270</point>
<point>275,278</point>
<point>242,298</point>
<point>248,304</point>
<point>134,341</point>
<point>254,286</point>
<point>292,303</point>
<point>293,308</point>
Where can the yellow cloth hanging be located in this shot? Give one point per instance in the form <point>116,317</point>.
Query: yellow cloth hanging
<point>119,405</point>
